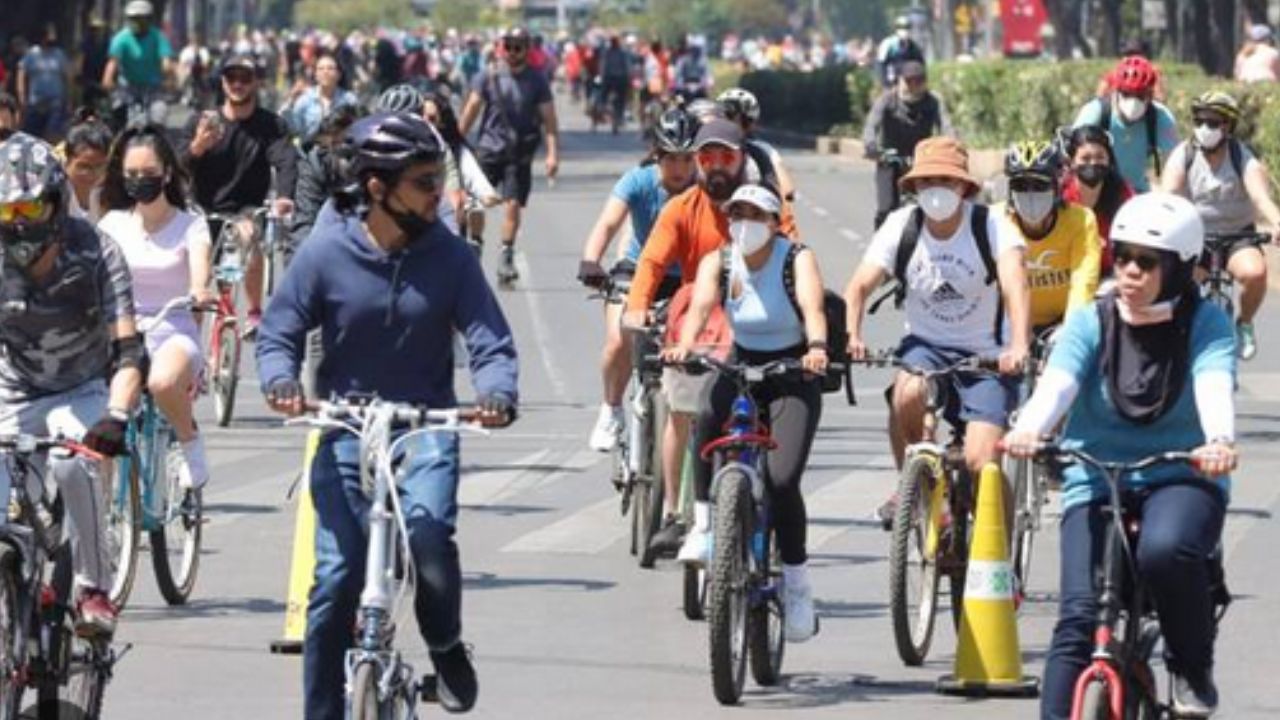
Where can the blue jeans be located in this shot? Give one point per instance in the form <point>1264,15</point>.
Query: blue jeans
<point>428,494</point>
<point>1181,527</point>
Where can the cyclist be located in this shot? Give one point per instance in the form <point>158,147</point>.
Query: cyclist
<point>768,324</point>
<point>351,271</point>
<point>693,77</point>
<point>1230,187</point>
<point>742,107</point>
<point>1151,370</point>
<point>405,98</point>
<point>1063,251</point>
<point>1093,181</point>
<point>964,275</point>
<point>895,51</point>
<point>85,157</point>
<point>169,253</point>
<point>231,158</point>
<point>641,193</point>
<point>901,117</point>
<point>513,103</point>
<point>70,356</point>
<point>141,55</point>
<point>1140,126</point>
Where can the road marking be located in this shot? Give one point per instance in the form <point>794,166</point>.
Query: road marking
<point>840,505</point>
<point>540,330</point>
<point>538,469</point>
<point>587,531</point>
<point>851,235</point>
<point>820,211</point>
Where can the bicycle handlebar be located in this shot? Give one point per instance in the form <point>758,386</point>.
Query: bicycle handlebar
<point>1213,238</point>
<point>1051,451</point>
<point>184,302</point>
<point>24,444</point>
<point>400,412</point>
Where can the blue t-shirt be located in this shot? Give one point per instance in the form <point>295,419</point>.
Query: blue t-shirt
<point>141,58</point>
<point>642,191</point>
<point>1130,139</point>
<point>46,69</point>
<point>1095,426</point>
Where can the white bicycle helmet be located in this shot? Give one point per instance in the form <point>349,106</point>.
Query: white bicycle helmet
<point>138,9</point>
<point>739,103</point>
<point>1161,221</point>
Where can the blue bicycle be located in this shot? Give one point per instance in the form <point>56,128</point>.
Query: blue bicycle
<point>151,500</point>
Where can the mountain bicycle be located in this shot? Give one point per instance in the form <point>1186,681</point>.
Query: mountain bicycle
<point>1119,683</point>
<point>1217,286</point>
<point>930,532</point>
<point>380,684</point>
<point>39,647</point>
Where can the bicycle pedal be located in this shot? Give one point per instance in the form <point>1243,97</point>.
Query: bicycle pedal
<point>428,689</point>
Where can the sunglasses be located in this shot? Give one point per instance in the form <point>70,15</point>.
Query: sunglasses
<point>1211,123</point>
<point>1029,185</point>
<point>427,183</point>
<point>1124,254</point>
<point>238,78</point>
<point>717,156</point>
<point>21,210</point>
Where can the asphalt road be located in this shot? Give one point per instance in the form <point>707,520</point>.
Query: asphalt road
<point>563,623</point>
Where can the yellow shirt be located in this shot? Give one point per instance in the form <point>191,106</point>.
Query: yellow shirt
<point>1063,266</point>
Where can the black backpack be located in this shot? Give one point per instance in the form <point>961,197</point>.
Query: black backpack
<point>1150,119</point>
<point>1235,149</point>
<point>907,248</point>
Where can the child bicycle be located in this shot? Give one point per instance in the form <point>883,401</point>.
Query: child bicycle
<point>39,647</point>
<point>380,684</point>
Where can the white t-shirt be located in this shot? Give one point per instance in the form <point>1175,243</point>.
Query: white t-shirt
<point>948,302</point>
<point>157,263</point>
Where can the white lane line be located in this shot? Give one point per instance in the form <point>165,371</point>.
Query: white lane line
<point>820,211</point>
<point>586,531</point>
<point>851,235</point>
<point>540,330</point>
<point>834,507</point>
<point>489,486</point>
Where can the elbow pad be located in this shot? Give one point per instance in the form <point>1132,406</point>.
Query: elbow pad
<point>129,352</point>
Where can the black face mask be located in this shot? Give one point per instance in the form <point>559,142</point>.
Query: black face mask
<point>1092,174</point>
<point>410,223</point>
<point>144,189</point>
<point>23,244</point>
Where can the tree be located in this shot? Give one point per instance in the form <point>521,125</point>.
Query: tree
<point>756,16</point>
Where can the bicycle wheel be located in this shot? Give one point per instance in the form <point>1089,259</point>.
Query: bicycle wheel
<point>11,655</point>
<point>124,526</point>
<point>1095,703</point>
<point>654,487</point>
<point>913,567</point>
<point>175,544</point>
<point>1026,512</point>
<point>1222,298</point>
<point>764,628</point>
<point>87,675</point>
<point>227,375</point>
<point>364,693</point>
<point>727,603</point>
<point>695,592</point>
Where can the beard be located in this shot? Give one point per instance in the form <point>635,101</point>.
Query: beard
<point>720,185</point>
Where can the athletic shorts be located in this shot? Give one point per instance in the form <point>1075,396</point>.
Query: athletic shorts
<point>978,396</point>
<point>511,178</point>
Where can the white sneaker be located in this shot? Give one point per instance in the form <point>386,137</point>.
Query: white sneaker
<point>605,434</point>
<point>696,549</point>
<point>193,470</point>
<point>797,605</point>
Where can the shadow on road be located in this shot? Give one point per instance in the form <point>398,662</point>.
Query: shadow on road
<point>507,510</point>
<point>490,581</point>
<point>210,608</point>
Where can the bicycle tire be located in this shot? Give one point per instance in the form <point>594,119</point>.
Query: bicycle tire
<point>695,593</point>
<point>1024,522</point>
<point>655,488</point>
<point>86,684</point>
<point>364,693</point>
<point>727,615</point>
<point>180,524</point>
<point>124,527</point>
<point>765,639</point>
<point>1095,703</point>
<point>960,526</point>
<point>10,687</point>
<point>912,635</point>
<point>227,374</point>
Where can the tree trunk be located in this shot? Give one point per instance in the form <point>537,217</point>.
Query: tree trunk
<point>1202,27</point>
<point>1111,27</point>
<point>1224,36</point>
<point>1255,10</point>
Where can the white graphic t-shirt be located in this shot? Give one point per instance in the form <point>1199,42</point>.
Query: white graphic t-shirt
<point>948,302</point>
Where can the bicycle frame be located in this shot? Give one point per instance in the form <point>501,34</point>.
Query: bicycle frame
<point>149,433</point>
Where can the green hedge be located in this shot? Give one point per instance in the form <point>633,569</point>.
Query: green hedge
<point>994,103</point>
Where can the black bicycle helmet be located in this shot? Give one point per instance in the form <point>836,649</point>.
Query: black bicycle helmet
<point>675,132</point>
<point>402,98</point>
<point>389,142</point>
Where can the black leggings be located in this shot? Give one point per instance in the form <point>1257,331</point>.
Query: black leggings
<point>791,408</point>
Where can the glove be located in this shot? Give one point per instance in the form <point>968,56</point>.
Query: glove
<point>496,411</point>
<point>591,274</point>
<point>107,436</point>
<point>285,395</point>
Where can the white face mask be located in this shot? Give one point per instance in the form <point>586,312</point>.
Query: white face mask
<point>903,34</point>
<point>1131,108</point>
<point>750,235</point>
<point>939,203</point>
<point>1033,207</point>
<point>1208,138</point>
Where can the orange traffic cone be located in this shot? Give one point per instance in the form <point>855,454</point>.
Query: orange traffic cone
<point>988,660</point>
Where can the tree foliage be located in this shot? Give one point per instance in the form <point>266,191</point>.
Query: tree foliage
<point>350,14</point>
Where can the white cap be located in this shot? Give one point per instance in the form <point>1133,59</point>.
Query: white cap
<point>757,195</point>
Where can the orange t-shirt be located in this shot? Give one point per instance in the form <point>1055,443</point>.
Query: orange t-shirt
<point>690,225</point>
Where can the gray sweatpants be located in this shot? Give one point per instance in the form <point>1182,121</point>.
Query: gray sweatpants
<point>80,480</point>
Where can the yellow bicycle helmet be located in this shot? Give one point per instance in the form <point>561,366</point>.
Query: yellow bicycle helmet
<point>1033,158</point>
<point>1220,103</point>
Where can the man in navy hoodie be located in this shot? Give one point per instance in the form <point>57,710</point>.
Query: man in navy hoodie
<point>388,285</point>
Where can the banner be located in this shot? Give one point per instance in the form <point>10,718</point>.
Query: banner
<point>1022,21</point>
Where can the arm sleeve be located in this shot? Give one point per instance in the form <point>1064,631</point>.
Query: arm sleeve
<point>283,156</point>
<point>115,286</point>
<point>1055,391</point>
<point>490,344</point>
<point>658,253</point>
<point>1166,130</point>
<point>871,130</point>
<point>292,312</point>
<point>115,48</point>
<point>1216,404</point>
<point>1086,263</point>
<point>882,251</point>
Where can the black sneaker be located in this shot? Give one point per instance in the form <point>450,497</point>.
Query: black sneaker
<point>507,266</point>
<point>1194,697</point>
<point>666,542</point>
<point>456,684</point>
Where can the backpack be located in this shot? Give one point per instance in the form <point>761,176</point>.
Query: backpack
<point>1235,149</point>
<point>690,72</point>
<point>833,308</point>
<point>907,248</point>
<point>1150,119</point>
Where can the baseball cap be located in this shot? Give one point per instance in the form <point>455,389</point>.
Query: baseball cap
<point>719,132</point>
<point>757,195</point>
<point>913,69</point>
<point>240,61</point>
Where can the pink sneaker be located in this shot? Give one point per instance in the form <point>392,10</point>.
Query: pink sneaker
<point>97,616</point>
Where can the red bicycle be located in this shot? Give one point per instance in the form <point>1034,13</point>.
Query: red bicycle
<point>223,346</point>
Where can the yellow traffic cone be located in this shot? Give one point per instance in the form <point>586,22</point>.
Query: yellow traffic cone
<point>988,659</point>
<point>304,561</point>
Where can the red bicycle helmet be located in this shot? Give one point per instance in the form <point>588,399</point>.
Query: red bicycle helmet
<point>1134,76</point>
